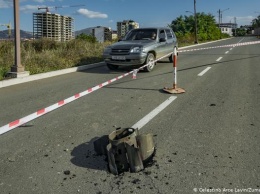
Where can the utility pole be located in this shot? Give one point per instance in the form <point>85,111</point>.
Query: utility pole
<point>220,19</point>
<point>196,27</point>
<point>220,16</point>
<point>17,70</point>
<point>235,21</point>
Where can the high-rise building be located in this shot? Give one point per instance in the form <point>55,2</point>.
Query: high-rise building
<point>102,34</point>
<point>53,26</point>
<point>125,26</point>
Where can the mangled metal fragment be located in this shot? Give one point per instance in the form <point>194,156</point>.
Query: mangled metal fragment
<point>146,144</point>
<point>126,150</point>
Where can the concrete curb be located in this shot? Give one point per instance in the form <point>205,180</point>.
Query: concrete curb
<point>6,83</point>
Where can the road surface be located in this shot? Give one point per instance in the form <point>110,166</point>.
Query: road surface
<point>207,139</point>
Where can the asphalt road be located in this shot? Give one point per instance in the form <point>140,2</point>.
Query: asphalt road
<point>207,139</point>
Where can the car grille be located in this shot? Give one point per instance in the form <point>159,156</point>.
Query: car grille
<point>120,51</point>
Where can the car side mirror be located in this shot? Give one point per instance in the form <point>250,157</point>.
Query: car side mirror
<point>162,40</point>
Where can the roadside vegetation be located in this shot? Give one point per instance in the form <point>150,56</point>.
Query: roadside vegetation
<point>207,29</point>
<point>45,55</point>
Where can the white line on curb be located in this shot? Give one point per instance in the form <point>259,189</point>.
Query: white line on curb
<point>153,113</point>
<point>219,58</point>
<point>204,71</point>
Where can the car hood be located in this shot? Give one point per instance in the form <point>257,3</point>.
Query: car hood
<point>131,44</point>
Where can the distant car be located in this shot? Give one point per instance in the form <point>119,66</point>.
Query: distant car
<point>141,46</point>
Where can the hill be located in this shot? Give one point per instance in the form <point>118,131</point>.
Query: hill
<point>23,34</point>
<point>28,35</point>
<point>84,31</point>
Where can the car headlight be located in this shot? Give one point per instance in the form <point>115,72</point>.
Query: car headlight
<point>136,50</point>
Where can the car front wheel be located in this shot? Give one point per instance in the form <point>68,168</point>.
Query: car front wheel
<point>149,60</point>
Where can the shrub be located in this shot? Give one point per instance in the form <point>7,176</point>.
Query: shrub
<point>45,55</point>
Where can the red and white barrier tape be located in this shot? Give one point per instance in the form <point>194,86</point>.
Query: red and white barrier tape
<point>59,104</point>
<point>222,46</point>
<point>135,73</point>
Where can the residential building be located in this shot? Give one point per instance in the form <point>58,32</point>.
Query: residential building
<point>53,26</point>
<point>114,35</point>
<point>228,28</point>
<point>102,34</point>
<point>125,26</point>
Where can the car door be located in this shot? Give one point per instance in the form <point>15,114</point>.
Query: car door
<point>162,45</point>
<point>171,41</point>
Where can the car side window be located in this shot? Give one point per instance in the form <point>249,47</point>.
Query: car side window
<point>162,34</point>
<point>173,34</point>
<point>169,34</point>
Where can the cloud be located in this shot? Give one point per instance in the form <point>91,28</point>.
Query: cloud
<point>91,14</point>
<point>6,3</point>
<point>246,18</point>
<point>39,1</point>
<point>241,20</point>
<point>42,1</point>
<point>29,8</point>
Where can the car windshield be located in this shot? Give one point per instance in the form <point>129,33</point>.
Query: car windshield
<point>141,34</point>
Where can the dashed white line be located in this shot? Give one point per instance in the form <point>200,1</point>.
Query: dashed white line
<point>219,58</point>
<point>204,71</point>
<point>153,113</point>
<point>241,40</point>
<point>231,49</point>
<point>226,52</point>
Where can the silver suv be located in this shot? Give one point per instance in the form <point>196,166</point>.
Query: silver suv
<point>141,46</point>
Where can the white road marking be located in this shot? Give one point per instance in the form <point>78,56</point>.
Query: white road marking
<point>241,40</point>
<point>219,58</point>
<point>204,71</point>
<point>226,52</point>
<point>153,113</point>
<point>231,49</point>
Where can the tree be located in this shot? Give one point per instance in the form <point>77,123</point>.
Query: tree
<point>256,22</point>
<point>239,32</point>
<point>207,28</point>
<point>179,25</point>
